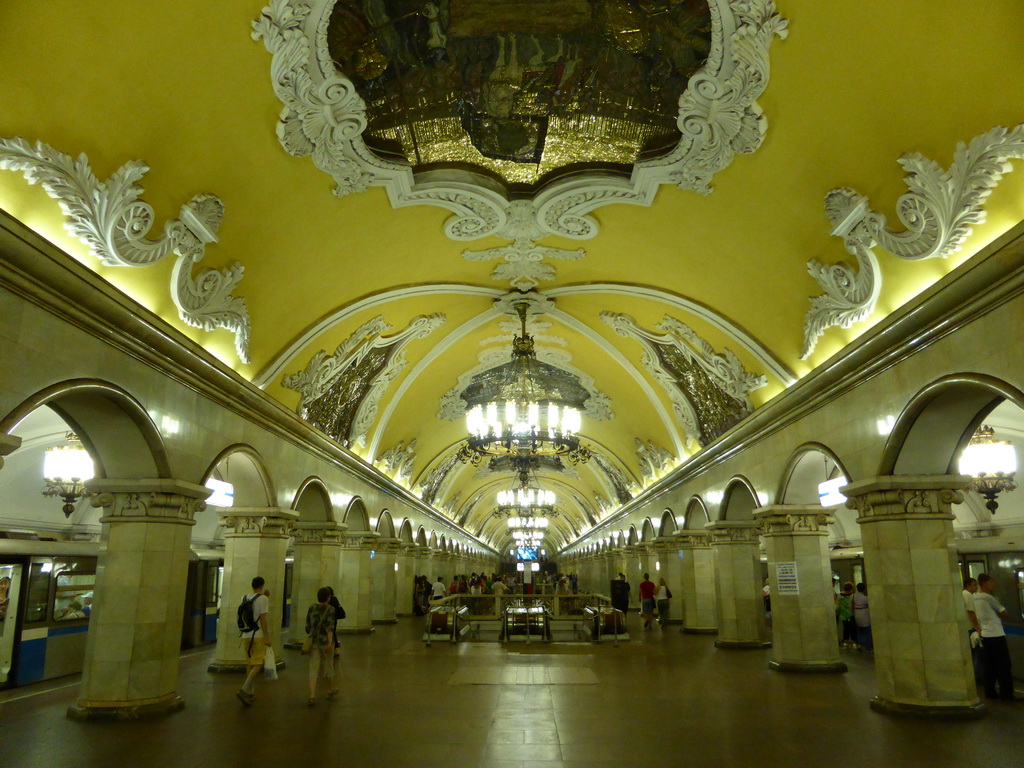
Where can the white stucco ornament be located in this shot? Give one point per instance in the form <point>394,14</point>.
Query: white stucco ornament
<point>323,117</point>
<point>937,213</point>
<point>112,220</point>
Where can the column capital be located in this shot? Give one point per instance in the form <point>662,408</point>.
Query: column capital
<point>268,522</point>
<point>388,544</point>
<point>666,544</point>
<point>690,539</point>
<point>317,533</point>
<point>8,444</point>
<point>156,499</point>
<point>365,540</point>
<point>793,520</point>
<point>905,497</point>
<point>726,532</point>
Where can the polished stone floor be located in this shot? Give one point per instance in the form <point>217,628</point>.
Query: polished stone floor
<point>661,699</point>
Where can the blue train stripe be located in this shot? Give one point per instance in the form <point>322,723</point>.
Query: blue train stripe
<point>1012,630</point>
<point>57,631</point>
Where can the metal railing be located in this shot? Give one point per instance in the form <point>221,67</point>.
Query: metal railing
<point>475,614</point>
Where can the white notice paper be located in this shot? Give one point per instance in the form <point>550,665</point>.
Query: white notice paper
<point>786,575</point>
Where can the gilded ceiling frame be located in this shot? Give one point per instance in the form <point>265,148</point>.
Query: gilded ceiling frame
<point>323,117</point>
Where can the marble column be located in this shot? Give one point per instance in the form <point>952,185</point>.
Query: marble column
<point>404,576</point>
<point>697,592</point>
<point>317,550</point>
<point>667,552</point>
<point>356,590</point>
<point>922,659</point>
<point>800,578</point>
<point>384,582</point>
<point>134,640</point>
<point>256,541</point>
<point>738,584</point>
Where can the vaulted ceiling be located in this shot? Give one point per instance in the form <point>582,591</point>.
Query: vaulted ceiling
<point>677,291</point>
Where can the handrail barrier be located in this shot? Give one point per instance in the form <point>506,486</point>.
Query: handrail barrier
<point>459,615</point>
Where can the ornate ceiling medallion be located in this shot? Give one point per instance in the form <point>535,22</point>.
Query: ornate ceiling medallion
<point>454,102</point>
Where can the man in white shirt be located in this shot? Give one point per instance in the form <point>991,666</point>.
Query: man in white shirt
<point>255,643</point>
<point>970,589</point>
<point>990,614</point>
<point>439,591</point>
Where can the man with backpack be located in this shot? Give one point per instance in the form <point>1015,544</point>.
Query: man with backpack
<point>252,622</point>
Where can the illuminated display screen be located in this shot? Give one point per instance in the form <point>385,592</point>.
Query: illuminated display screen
<point>526,553</point>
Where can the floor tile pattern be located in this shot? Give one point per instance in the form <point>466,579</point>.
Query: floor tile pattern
<point>663,699</point>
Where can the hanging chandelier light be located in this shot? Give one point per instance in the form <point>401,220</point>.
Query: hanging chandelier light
<point>527,538</point>
<point>66,468</point>
<point>519,412</point>
<point>528,522</point>
<point>990,464</point>
<point>526,503</point>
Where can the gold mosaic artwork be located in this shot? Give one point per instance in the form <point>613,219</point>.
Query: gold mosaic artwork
<point>520,88</point>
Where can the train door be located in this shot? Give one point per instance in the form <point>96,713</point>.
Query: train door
<point>286,614</point>
<point>10,590</point>
<point>214,585</point>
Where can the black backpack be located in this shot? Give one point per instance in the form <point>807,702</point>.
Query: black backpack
<point>246,620</point>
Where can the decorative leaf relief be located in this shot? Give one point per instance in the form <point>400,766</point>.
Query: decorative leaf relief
<point>318,119</point>
<point>114,223</point>
<point>937,214</point>
<point>107,217</point>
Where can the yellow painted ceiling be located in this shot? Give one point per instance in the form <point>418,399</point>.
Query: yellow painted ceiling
<point>185,89</point>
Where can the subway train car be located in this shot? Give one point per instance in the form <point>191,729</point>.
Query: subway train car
<point>46,598</point>
<point>1001,559</point>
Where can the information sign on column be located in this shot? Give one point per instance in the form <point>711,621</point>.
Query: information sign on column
<point>785,573</point>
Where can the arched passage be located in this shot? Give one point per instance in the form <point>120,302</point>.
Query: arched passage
<point>112,425</point>
<point>740,501</point>
<point>313,502</point>
<point>667,527</point>
<point>244,468</point>
<point>697,515</point>
<point>810,465</point>
<point>939,422</point>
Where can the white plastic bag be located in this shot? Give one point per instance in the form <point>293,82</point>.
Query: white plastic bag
<point>270,664</point>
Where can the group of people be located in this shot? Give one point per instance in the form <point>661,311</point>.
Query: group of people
<point>991,655</point>
<point>321,645</point>
<point>854,617</point>
<point>425,592</point>
<point>653,597</point>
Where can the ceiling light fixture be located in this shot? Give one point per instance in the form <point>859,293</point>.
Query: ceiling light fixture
<point>66,468</point>
<point>990,464</point>
<point>518,412</point>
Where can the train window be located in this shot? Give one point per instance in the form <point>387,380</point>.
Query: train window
<point>858,573</point>
<point>214,574</point>
<point>38,592</point>
<point>975,568</point>
<point>73,597</point>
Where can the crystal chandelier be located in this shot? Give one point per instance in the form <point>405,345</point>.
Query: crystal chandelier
<point>528,522</point>
<point>65,470</point>
<point>990,464</point>
<point>526,504</point>
<point>527,538</point>
<point>516,415</point>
